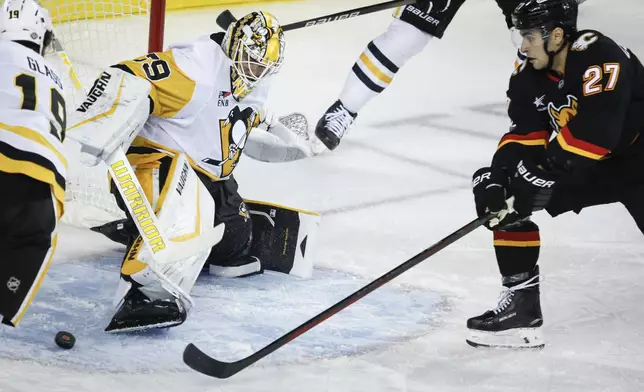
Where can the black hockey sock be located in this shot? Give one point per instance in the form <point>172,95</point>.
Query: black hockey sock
<point>517,249</point>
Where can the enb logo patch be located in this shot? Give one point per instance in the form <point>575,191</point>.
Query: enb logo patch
<point>222,101</point>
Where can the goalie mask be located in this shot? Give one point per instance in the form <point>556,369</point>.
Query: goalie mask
<point>255,44</point>
<point>26,20</point>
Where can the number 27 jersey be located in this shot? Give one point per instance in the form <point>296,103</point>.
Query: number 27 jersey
<point>32,117</point>
<point>192,107</point>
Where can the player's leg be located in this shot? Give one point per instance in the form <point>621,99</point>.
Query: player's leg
<point>260,235</point>
<point>517,250</point>
<point>377,65</point>
<point>517,318</point>
<point>183,206</point>
<point>28,220</point>
<point>230,258</point>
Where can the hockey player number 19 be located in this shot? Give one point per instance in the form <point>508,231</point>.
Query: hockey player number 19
<point>27,83</point>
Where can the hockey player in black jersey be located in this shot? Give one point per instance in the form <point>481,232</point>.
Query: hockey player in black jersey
<point>577,111</point>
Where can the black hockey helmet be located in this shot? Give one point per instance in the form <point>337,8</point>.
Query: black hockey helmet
<point>547,15</point>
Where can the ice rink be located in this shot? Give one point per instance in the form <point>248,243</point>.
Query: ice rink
<point>399,182</point>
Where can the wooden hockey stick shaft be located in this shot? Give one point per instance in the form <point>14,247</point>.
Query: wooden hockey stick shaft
<point>201,362</point>
<point>226,17</point>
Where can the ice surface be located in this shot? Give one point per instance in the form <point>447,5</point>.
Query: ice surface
<point>398,183</point>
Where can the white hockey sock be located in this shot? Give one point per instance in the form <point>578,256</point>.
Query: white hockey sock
<point>380,61</point>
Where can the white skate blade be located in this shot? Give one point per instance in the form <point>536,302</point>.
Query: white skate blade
<point>517,338</point>
<point>141,328</point>
<point>181,250</point>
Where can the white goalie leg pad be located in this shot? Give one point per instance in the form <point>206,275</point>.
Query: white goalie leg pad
<point>114,111</point>
<point>186,210</point>
<point>284,238</point>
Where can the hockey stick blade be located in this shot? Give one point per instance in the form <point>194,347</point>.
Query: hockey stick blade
<point>199,361</point>
<point>225,19</point>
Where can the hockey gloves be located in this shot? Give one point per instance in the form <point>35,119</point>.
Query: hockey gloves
<point>489,185</point>
<point>532,187</point>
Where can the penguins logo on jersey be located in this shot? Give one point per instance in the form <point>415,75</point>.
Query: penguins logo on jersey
<point>561,115</point>
<point>233,138</point>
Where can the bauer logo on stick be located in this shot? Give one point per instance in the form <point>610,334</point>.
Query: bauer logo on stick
<point>332,19</point>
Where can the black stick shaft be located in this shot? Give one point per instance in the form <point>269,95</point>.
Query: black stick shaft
<point>201,362</point>
<point>347,14</point>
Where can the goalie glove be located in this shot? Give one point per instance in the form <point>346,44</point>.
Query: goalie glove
<point>114,111</point>
<point>282,139</point>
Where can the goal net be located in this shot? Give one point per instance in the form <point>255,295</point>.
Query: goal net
<point>96,34</point>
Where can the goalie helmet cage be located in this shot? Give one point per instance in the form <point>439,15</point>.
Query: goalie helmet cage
<point>96,34</point>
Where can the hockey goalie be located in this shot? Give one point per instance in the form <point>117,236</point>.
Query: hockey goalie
<point>184,116</point>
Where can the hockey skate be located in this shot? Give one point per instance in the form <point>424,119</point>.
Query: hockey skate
<point>516,321</point>
<point>334,124</point>
<point>138,313</point>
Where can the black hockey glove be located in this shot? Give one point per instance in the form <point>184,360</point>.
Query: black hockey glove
<point>532,187</point>
<point>488,185</point>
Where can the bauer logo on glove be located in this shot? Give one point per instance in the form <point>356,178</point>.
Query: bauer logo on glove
<point>532,178</point>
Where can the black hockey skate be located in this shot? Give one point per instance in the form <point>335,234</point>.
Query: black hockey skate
<point>334,124</point>
<point>138,313</point>
<point>516,322</point>
<point>123,231</point>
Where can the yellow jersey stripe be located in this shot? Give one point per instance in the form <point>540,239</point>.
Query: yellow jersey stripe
<point>35,137</point>
<point>34,171</point>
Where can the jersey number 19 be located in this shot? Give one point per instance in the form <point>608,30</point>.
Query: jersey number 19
<point>27,83</point>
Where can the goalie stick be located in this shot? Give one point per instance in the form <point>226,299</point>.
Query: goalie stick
<point>201,362</point>
<point>226,18</point>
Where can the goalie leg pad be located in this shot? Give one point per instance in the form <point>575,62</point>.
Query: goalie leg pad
<point>184,207</point>
<point>283,237</point>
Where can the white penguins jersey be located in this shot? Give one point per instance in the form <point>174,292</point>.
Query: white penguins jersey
<point>192,107</point>
<point>32,117</point>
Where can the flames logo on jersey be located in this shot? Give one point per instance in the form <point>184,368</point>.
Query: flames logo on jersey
<point>561,115</point>
<point>584,41</point>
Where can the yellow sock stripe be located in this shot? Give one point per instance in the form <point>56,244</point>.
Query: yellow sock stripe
<point>374,69</point>
<point>519,244</point>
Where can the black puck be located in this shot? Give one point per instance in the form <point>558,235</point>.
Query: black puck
<point>65,340</point>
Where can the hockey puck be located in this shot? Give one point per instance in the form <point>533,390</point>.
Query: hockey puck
<point>65,340</point>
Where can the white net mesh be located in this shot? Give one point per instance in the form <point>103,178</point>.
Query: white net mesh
<point>94,34</point>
